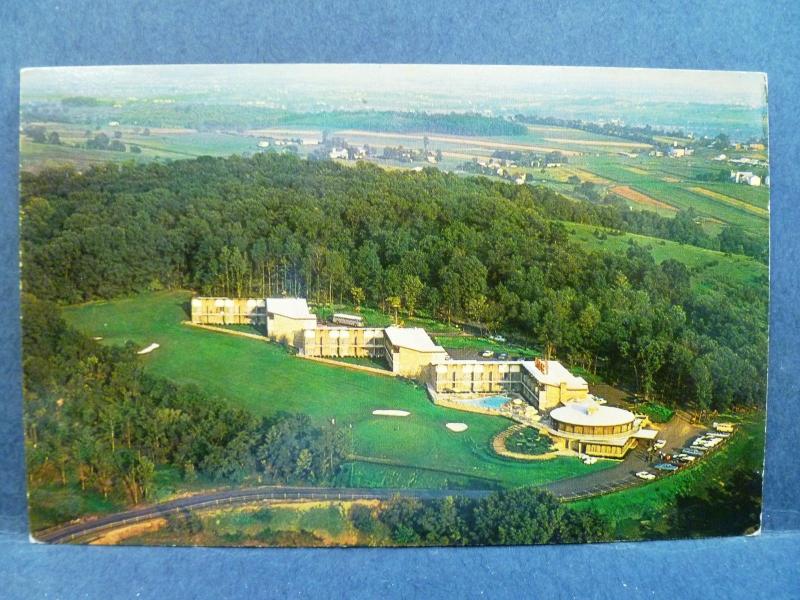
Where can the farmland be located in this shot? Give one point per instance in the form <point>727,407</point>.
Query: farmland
<point>262,378</point>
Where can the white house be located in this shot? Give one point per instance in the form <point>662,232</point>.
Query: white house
<point>745,177</point>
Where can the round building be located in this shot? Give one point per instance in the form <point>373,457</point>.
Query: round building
<point>592,428</point>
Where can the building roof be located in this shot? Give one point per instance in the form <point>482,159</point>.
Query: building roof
<point>347,316</point>
<point>294,308</point>
<point>589,412</point>
<point>552,372</point>
<point>414,338</point>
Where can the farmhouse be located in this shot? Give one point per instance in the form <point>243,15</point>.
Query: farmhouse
<point>745,177</point>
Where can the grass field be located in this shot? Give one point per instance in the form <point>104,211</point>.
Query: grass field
<point>264,379</point>
<point>708,267</point>
<point>642,507</point>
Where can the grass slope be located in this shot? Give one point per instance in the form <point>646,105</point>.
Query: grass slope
<point>708,267</point>
<point>264,379</point>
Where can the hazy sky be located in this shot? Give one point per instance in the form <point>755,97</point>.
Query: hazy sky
<point>655,85</point>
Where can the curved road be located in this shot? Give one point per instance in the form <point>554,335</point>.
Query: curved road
<point>67,533</point>
<point>592,484</point>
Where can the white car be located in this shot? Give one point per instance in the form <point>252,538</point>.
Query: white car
<point>487,354</point>
<point>660,444</point>
<point>646,475</point>
<point>589,460</point>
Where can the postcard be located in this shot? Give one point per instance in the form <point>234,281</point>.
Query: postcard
<point>393,305</point>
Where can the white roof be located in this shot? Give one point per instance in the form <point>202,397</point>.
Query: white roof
<point>294,308</point>
<point>589,412</point>
<point>346,316</point>
<point>555,375</point>
<point>646,434</point>
<point>414,338</point>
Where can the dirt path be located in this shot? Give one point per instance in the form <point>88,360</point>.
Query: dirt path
<point>629,193</point>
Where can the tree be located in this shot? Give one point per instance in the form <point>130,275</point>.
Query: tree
<point>53,138</point>
<point>395,303</point>
<point>412,289</point>
<point>358,296</point>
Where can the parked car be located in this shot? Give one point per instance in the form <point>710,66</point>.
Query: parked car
<point>686,458</point>
<point>694,451</point>
<point>500,338</point>
<point>646,475</point>
<point>487,354</point>
<point>589,460</point>
<point>666,467</point>
<point>718,434</point>
<point>659,444</point>
<point>503,356</point>
<point>724,427</point>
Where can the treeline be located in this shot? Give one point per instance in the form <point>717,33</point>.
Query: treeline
<point>513,517</point>
<point>644,134</point>
<point>94,417</point>
<point>458,249</point>
<point>235,116</point>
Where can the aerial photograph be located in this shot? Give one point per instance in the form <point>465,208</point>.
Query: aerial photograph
<point>392,305</point>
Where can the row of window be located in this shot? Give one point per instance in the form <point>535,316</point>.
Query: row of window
<point>593,429</point>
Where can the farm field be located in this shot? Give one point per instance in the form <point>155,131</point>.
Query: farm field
<point>676,194</point>
<point>264,379</point>
<point>708,267</point>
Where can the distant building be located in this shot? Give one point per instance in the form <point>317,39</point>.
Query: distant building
<point>340,153</point>
<point>757,146</point>
<point>679,152</point>
<point>745,177</point>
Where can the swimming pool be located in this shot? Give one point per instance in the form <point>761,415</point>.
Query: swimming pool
<point>493,402</point>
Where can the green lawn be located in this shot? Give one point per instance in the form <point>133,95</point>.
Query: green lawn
<point>263,378</point>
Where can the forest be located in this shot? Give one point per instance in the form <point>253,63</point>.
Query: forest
<point>460,249</point>
<point>93,416</point>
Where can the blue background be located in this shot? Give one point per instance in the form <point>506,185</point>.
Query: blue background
<point>753,36</point>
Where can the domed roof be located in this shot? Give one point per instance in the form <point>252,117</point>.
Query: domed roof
<point>591,413</point>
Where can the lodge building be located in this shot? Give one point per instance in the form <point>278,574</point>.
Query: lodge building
<point>573,418</point>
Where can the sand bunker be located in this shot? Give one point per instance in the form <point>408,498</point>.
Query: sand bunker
<point>457,427</point>
<point>391,413</point>
<point>149,349</point>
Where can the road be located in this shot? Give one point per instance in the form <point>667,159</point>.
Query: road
<point>73,531</point>
<point>598,482</point>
